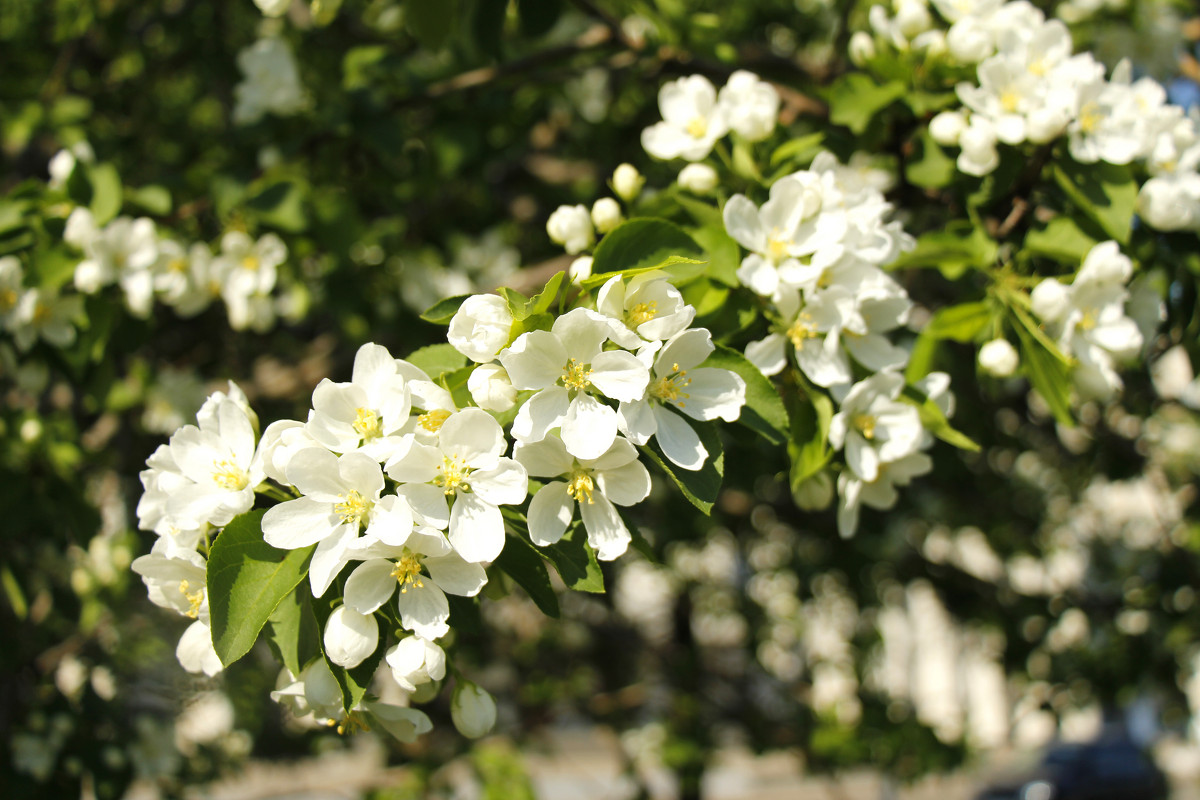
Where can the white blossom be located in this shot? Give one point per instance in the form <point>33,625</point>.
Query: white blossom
<point>571,226</point>
<point>480,328</point>
<point>698,178</point>
<point>750,105</point>
<point>998,358</point>
<point>627,182</point>
<point>692,120</point>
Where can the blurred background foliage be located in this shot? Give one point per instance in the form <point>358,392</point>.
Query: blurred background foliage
<point>436,139</point>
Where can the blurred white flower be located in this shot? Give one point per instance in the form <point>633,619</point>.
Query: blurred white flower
<point>271,84</point>
<point>692,120</point>
<point>998,358</point>
<point>571,226</point>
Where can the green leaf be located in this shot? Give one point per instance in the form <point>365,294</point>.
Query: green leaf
<point>764,412</point>
<point>517,302</point>
<point>540,303</point>
<point>106,192</point>
<point>802,149</point>
<point>642,243</point>
<point>521,562</point>
<point>921,358</point>
<point>1048,372</point>
<point>292,630</point>
<point>154,200</point>
<point>923,103</point>
<point>280,205</point>
<point>1105,193</point>
<point>929,167</point>
<point>575,561</point>
<point>456,384</point>
<point>701,486</point>
<point>934,421</point>
<point>680,270</point>
<point>247,579</point>
<point>437,359</point>
<point>441,312</point>
<point>961,246</point>
<point>1060,239</point>
<point>962,323</point>
<point>430,21</point>
<point>808,447</point>
<point>743,161</point>
<point>487,25</point>
<point>855,99</point>
<point>724,255</point>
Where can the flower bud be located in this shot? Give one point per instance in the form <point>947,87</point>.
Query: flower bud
<point>627,182</point>
<point>862,48</point>
<point>491,388</point>
<point>1049,300</point>
<point>606,214</point>
<point>580,269</point>
<point>998,358</point>
<point>473,710</point>
<point>698,178</point>
<point>571,226</point>
<point>946,127</point>
<point>814,494</point>
<point>480,328</point>
<point>350,637</point>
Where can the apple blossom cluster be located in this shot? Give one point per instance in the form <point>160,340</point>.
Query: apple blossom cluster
<point>1032,87</point>
<point>129,252</point>
<point>32,313</point>
<point>1089,319</point>
<point>397,485</point>
<point>817,248</point>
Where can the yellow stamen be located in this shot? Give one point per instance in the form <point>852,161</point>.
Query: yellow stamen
<point>229,475</point>
<point>576,376</point>
<point>1010,100</point>
<point>251,263</point>
<point>864,424</point>
<point>195,599</point>
<point>580,486</point>
<point>352,508</point>
<point>177,265</point>
<point>367,424</point>
<point>697,127</point>
<point>41,313</point>
<point>802,330</point>
<point>777,246</point>
<point>452,475</point>
<point>353,723</point>
<point>432,421</point>
<point>642,312</point>
<point>670,388</point>
<point>408,572</point>
<point>1088,321</point>
<point>1090,117</point>
<point>8,299</point>
<point>1038,67</point>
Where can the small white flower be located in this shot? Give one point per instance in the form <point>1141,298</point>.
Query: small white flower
<point>648,305</point>
<point>813,329</point>
<point>595,484</point>
<point>998,358</point>
<point>473,710</point>
<point>491,388</point>
<point>750,104</point>
<point>464,466</point>
<point>571,226</point>
<point>979,156</point>
<point>45,315</point>
<point>421,598</point>
<point>698,178</point>
<point>481,326</point>
<point>271,85</point>
<point>369,412</point>
<point>11,279</point>
<point>315,691</point>
<point>947,127</point>
<point>416,661</point>
<point>350,637</point>
<point>218,460</point>
<point>580,269</point>
<point>880,493</point>
<point>566,365</point>
<point>606,214</point>
<point>678,381</point>
<point>627,182</point>
<point>874,427</point>
<point>861,48</point>
<point>692,120</point>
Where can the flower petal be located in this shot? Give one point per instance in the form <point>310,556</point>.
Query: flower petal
<point>679,442</point>
<point>606,531</point>
<point>370,585</point>
<point>589,427</point>
<point>456,576</point>
<point>424,609</point>
<point>620,375</point>
<point>507,483</point>
<point>626,485</point>
<point>474,436</point>
<point>350,637</point>
<point>545,459</point>
<point>535,360</point>
<point>542,412</point>
<point>331,555</point>
<point>550,512</point>
<point>299,523</point>
<point>476,528</point>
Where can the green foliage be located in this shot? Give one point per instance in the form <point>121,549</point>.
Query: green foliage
<point>247,580</point>
<point>521,562</point>
<point>644,244</point>
<point>1106,194</point>
<point>855,99</point>
<point>962,246</point>
<point>701,487</point>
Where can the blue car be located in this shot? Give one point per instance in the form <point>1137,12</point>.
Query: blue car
<point>1111,769</point>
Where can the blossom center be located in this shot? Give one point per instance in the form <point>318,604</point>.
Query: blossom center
<point>251,263</point>
<point>801,330</point>
<point>452,475</point>
<point>777,246</point>
<point>407,572</point>
<point>670,388</point>
<point>1090,117</point>
<point>1088,321</point>
<point>864,424</point>
<point>177,265</point>
<point>432,421</point>
<point>8,299</point>
<point>1010,100</point>
<point>353,723</point>
<point>576,376</point>
<point>580,486</point>
<point>697,127</point>
<point>194,599</point>
<point>642,312</point>
<point>352,508</point>
<point>367,424</point>
<point>229,475</point>
<point>41,314</point>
